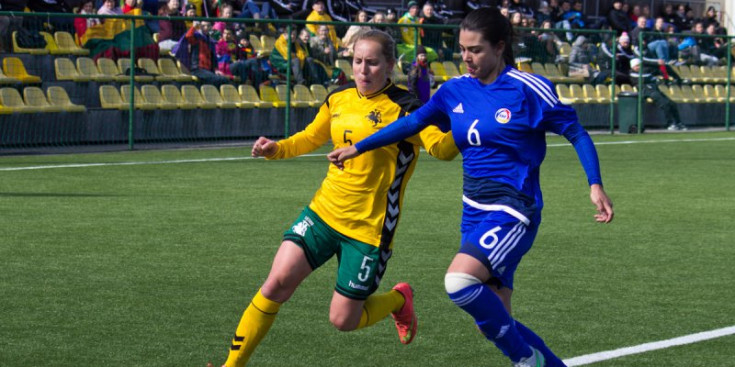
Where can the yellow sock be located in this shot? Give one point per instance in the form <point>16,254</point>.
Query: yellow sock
<point>254,324</point>
<point>379,306</point>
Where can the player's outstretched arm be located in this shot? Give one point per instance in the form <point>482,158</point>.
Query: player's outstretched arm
<point>602,203</point>
<point>339,156</point>
<point>264,147</point>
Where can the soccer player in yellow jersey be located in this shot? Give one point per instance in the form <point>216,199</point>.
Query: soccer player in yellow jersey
<point>355,212</point>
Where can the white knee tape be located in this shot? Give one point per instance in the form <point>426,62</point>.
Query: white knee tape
<point>455,282</point>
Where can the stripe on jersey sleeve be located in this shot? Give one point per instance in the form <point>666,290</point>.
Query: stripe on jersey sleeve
<point>538,86</point>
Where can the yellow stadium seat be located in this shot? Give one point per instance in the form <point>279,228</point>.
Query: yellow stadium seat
<point>269,94</point>
<point>11,101</point>
<point>590,94</point>
<point>108,68</point>
<point>440,75</point>
<point>564,50</point>
<point>346,68</point>
<point>151,68</point>
<point>553,73</point>
<point>14,68</point>
<point>35,98</point>
<point>255,43</point>
<point>538,68</point>
<point>65,41</point>
<point>171,94</point>
<point>124,65</point>
<point>697,74</point>
<point>698,91</point>
<point>721,92</point>
<point>578,93</point>
<point>57,96</point>
<point>463,68</point>
<point>319,93</point>
<point>192,95</point>
<point>110,98</point>
<point>211,94</point>
<point>168,68</point>
<point>711,94</point>
<point>22,50</point>
<point>229,95</point>
<point>627,88</point>
<point>6,80</point>
<point>301,93</point>
<point>565,95</point>
<point>687,91</point>
<point>51,46</point>
<point>140,102</point>
<point>603,93</point>
<point>153,95</point>
<point>451,69</point>
<point>65,70</point>
<point>86,67</point>
<point>332,87</point>
<point>525,67</point>
<point>297,102</point>
<point>268,42</point>
<point>250,97</point>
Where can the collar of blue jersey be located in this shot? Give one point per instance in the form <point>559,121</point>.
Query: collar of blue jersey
<point>390,84</point>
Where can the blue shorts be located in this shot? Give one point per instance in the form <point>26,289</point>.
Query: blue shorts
<point>499,240</point>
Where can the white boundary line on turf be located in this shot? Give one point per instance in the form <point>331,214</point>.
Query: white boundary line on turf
<point>647,347</point>
<point>83,165</point>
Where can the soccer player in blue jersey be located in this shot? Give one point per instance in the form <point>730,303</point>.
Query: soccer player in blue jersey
<point>499,117</point>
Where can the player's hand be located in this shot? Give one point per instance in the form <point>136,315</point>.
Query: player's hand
<point>339,156</point>
<point>264,147</point>
<point>602,203</point>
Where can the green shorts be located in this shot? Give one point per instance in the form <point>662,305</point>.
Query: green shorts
<point>361,265</point>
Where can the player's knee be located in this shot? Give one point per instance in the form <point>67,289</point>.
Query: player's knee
<point>343,323</point>
<point>455,282</point>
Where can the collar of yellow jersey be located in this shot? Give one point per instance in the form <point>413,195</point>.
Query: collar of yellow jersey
<point>390,84</point>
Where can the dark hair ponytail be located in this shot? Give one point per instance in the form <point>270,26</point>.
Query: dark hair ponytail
<point>494,27</point>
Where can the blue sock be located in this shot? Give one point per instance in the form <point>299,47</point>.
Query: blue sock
<point>535,341</point>
<point>493,319</point>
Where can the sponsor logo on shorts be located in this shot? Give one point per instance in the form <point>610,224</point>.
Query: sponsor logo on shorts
<point>357,286</point>
<point>300,228</point>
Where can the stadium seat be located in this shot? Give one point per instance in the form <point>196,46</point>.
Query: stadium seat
<point>6,80</point>
<point>151,68</point>
<point>22,50</point>
<point>698,75</point>
<point>212,95</point>
<point>346,68</point>
<point>538,68</point>
<point>603,93</point>
<point>302,94</point>
<point>663,88</point>
<point>12,102</point>
<point>140,102</point>
<point>565,95</point>
<point>627,88</point>
<point>153,95</point>
<point>525,67</point>
<point>565,49</point>
<point>721,92</point>
<point>65,41</point>
<point>296,101</point>
<point>553,73</point>
<point>124,65</point>
<point>332,87</point>
<point>191,95</point>
<point>57,96</point>
<point>108,68</point>
<point>451,69</point>
<point>65,70</point>
<point>590,94</point>
<point>171,94</point>
<point>229,95</point>
<point>269,94</point>
<point>168,68</point>
<point>463,68</point>
<point>440,75</point>
<point>250,97</point>
<point>319,92</point>
<point>698,91</point>
<point>51,44</point>
<point>399,75</point>
<point>711,94</point>
<point>267,42</point>
<point>110,98</point>
<point>578,93</point>
<point>14,68</point>
<point>255,43</point>
<point>86,67</point>
<point>687,91</point>
<point>36,99</point>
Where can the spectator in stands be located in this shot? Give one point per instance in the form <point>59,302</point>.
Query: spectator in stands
<point>82,24</point>
<point>318,13</point>
<point>550,43</point>
<point>471,5</point>
<point>348,38</point>
<point>299,53</point>
<point>10,24</point>
<point>716,47</point>
<point>703,48</point>
<point>623,54</point>
<point>321,47</point>
<point>285,8</point>
<point>668,14</point>
<point>543,12</point>
<point>518,6</point>
<point>646,12</point>
<point>202,7</point>
<point>199,57</point>
<point>410,17</point>
<point>681,22</point>
<point>575,16</point>
<point>54,6</point>
<point>225,12</point>
<point>710,17</point>
<point>635,13</point>
<point>129,5</point>
<point>170,31</point>
<point>618,19</point>
<point>555,12</point>
<point>109,7</point>
<point>651,78</point>
<point>420,76</point>
<point>657,45</point>
<point>432,37</point>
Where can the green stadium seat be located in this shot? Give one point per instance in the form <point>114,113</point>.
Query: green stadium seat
<point>57,96</point>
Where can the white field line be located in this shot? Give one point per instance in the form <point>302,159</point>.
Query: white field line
<point>647,347</point>
<point>179,161</point>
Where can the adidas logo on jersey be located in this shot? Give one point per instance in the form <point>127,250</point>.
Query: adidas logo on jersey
<point>458,109</point>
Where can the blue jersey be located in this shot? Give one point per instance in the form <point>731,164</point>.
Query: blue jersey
<point>500,130</point>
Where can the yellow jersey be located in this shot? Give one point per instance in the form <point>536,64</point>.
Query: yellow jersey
<point>364,200</point>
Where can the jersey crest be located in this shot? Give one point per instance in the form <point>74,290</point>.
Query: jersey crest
<point>375,117</point>
<point>502,115</point>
